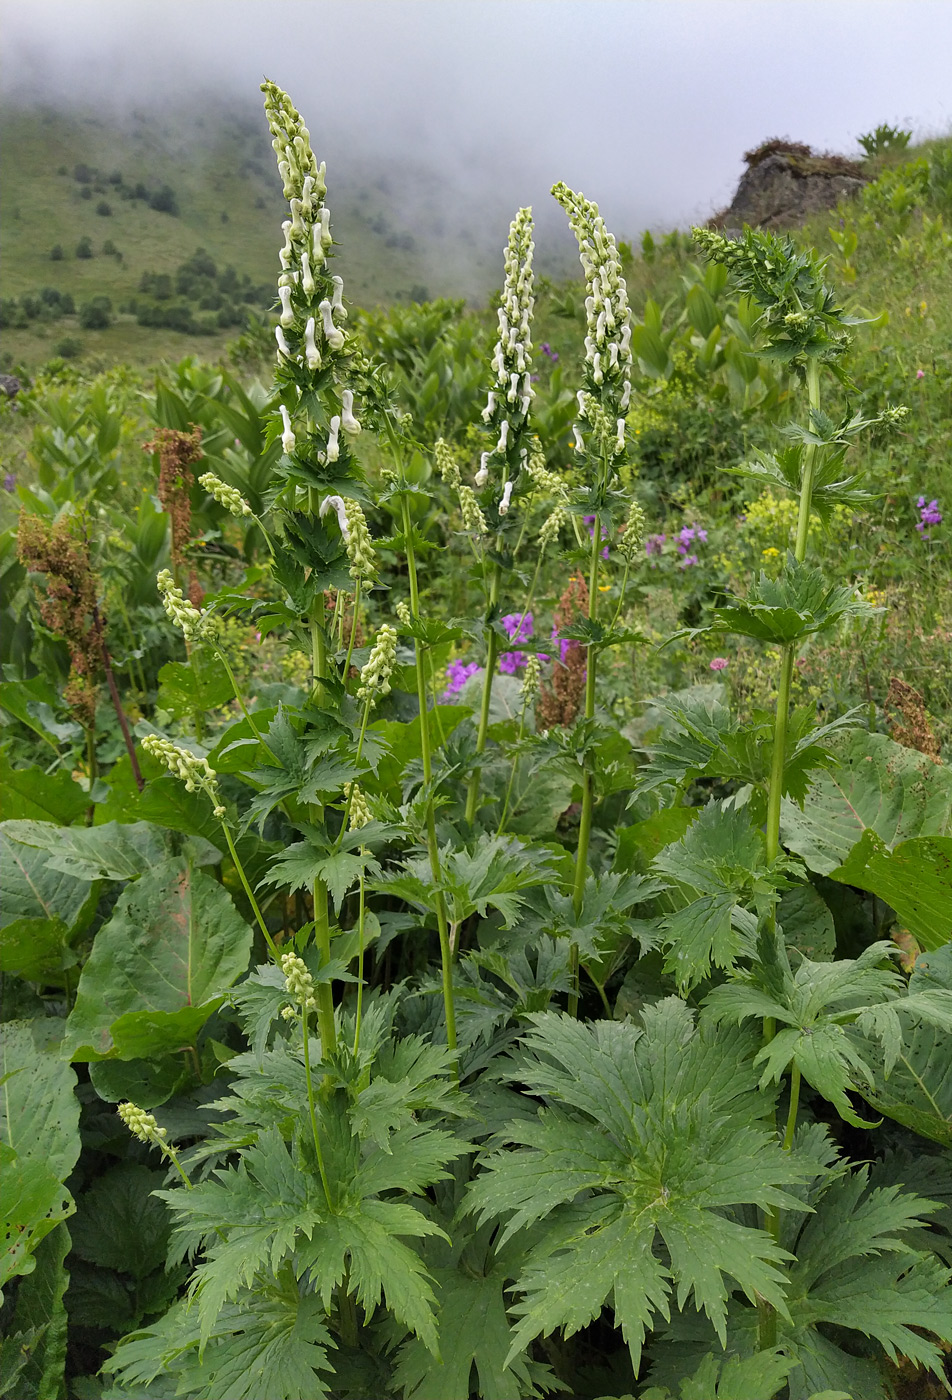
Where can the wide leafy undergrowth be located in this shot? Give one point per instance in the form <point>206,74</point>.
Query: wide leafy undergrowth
<point>393,1005</point>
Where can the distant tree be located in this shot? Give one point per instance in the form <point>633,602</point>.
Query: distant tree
<point>84,248</point>
<point>116,177</point>
<point>62,170</point>
<point>104,208</point>
<point>68,348</point>
<point>83,174</point>
<point>109,249</point>
<point>140,192</point>
<point>93,316</point>
<point>86,192</point>
<point>224,217</point>
<point>164,201</point>
<point>56,253</point>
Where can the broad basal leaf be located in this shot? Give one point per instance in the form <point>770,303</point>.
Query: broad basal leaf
<point>648,1136</point>
<point>39,1138</point>
<point>915,878</point>
<point>894,791</point>
<point>112,851</point>
<point>159,967</point>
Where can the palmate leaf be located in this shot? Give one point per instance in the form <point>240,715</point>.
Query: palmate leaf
<point>303,862</point>
<point>492,875</point>
<point>270,1344</point>
<point>658,1131</point>
<point>758,1377</point>
<point>706,741</point>
<point>817,1005</point>
<point>722,857</point>
<point>784,610</point>
<point>858,1268</point>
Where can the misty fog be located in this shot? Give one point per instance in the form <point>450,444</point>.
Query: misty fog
<point>645,105</point>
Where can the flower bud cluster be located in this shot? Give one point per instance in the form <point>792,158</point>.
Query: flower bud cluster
<point>531,681</point>
<point>632,541</point>
<point>310,331</point>
<point>551,527</point>
<point>360,813</point>
<point>299,984</point>
<point>543,479</point>
<point>355,534</point>
<point>474,522</point>
<point>608,355</point>
<point>446,463</point>
<point>142,1125</point>
<point>228,496</point>
<point>195,772</point>
<point>508,402</point>
<point>403,613</point>
<point>195,625</point>
<point>375,675</point>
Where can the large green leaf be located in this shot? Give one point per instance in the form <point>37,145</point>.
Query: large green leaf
<point>894,791</point>
<point>39,1138</point>
<point>188,688</point>
<point>113,851</point>
<point>32,793</point>
<point>35,949</point>
<point>119,1223</point>
<point>31,889</point>
<point>159,968</point>
<point>918,1090</point>
<point>915,879</point>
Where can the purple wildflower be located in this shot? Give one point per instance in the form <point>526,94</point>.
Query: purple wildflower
<point>688,535</point>
<point>457,674</point>
<point>9,482</point>
<point>929,514</point>
<point>655,543</point>
<point>547,350</point>
<point>519,628</point>
<point>688,561</point>
<point>718,663</point>
<point>920,374</point>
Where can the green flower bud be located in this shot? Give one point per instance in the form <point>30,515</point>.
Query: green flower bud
<point>299,982</point>
<point>375,676</point>
<point>194,624</point>
<point>551,527</point>
<point>632,541</point>
<point>225,495</point>
<point>194,771</point>
<point>531,679</point>
<point>360,813</point>
<point>446,463</point>
<point>142,1125</point>
<point>473,519</point>
<point>360,550</point>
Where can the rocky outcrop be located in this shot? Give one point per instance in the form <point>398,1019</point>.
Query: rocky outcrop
<point>785,182</point>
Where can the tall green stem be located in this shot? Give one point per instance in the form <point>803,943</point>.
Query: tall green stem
<point>588,777</point>
<point>767,1327</point>
<point>255,909</point>
<point>492,651</point>
<point>433,851</point>
<point>312,1109</point>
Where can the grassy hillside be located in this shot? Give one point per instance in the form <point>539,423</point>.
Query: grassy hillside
<point>404,238</point>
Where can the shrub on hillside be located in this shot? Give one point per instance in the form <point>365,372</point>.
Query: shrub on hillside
<point>164,201</point>
<point>104,208</point>
<point>56,253</point>
<point>94,315</point>
<point>84,248</point>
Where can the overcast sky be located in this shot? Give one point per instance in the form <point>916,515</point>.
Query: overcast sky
<point>645,105</point>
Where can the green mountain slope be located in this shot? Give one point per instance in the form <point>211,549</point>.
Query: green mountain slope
<point>405,235</point>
